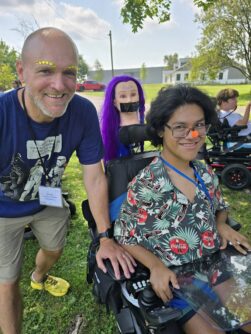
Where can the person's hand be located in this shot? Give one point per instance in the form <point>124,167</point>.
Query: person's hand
<point>109,249</point>
<point>160,279</point>
<point>236,239</point>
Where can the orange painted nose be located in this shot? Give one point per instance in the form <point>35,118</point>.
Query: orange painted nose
<point>195,134</point>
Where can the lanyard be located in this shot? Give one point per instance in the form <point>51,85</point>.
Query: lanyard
<point>200,184</point>
<point>34,139</point>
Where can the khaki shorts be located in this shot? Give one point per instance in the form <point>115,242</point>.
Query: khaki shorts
<point>50,228</point>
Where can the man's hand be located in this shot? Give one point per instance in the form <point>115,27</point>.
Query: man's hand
<point>236,239</point>
<point>160,279</point>
<point>109,249</point>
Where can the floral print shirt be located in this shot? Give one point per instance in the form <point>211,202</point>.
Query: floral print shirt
<point>159,217</point>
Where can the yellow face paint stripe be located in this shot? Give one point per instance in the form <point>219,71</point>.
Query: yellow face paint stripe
<point>45,62</point>
<point>50,63</point>
<point>71,67</point>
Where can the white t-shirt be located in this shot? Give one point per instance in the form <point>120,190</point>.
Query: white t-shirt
<point>233,118</point>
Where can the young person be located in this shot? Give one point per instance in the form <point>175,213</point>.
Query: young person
<point>174,212</point>
<point>227,104</point>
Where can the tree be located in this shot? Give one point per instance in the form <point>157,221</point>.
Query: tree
<point>135,12</point>
<point>8,59</point>
<point>170,61</point>
<point>99,73</point>
<point>226,38</point>
<point>83,69</point>
<point>8,56</point>
<point>143,72</point>
<point>6,77</point>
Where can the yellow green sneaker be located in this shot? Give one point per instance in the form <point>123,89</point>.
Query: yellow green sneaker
<point>56,286</point>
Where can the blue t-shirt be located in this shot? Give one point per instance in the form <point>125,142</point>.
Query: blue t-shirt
<point>21,168</point>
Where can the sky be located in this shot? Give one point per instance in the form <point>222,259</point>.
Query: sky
<point>89,22</point>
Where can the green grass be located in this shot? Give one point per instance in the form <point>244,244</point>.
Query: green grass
<point>45,314</point>
<point>151,91</point>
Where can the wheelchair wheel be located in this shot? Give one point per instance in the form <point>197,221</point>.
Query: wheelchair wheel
<point>236,176</point>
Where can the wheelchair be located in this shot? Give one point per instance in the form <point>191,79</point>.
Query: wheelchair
<point>229,155</point>
<point>134,304</point>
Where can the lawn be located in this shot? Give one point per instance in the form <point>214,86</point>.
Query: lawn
<point>151,91</point>
<point>44,314</point>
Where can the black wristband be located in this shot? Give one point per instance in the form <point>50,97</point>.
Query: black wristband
<point>107,234</point>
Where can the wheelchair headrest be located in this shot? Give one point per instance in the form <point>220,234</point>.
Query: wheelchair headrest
<point>132,134</point>
<point>121,171</point>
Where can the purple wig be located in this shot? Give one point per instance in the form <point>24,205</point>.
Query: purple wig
<point>110,118</point>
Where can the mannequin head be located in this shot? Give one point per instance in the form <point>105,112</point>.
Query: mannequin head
<point>119,109</point>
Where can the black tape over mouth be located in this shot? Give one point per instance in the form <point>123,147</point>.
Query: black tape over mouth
<point>129,107</point>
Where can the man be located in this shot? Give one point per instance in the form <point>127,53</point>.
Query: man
<point>40,124</point>
<point>227,103</point>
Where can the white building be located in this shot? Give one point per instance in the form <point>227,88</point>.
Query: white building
<point>181,71</point>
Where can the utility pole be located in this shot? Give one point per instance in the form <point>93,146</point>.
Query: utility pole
<point>110,35</point>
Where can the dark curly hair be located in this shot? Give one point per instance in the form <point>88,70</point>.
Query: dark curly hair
<point>166,103</point>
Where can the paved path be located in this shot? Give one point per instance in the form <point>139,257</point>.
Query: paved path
<point>96,100</point>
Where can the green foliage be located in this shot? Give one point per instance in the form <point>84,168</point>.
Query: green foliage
<point>143,72</point>
<point>8,56</point>
<point>226,38</point>
<point>205,4</point>
<point>99,72</point>
<point>6,77</point>
<point>82,68</point>
<point>8,59</point>
<point>170,61</point>
<point>135,12</point>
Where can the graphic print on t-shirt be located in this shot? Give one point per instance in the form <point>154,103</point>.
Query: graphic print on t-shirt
<point>22,182</point>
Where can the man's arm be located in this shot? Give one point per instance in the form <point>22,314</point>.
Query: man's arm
<point>245,119</point>
<point>97,192</point>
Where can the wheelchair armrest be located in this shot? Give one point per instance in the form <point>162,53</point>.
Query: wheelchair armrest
<point>86,210</point>
<point>233,223</point>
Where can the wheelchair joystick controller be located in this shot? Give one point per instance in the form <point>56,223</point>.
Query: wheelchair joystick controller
<point>154,310</point>
<point>148,297</point>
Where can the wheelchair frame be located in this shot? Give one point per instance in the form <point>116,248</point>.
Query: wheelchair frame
<point>232,165</point>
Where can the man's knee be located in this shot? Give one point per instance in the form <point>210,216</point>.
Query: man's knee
<point>9,288</point>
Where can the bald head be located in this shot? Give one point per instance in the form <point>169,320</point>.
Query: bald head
<point>46,36</point>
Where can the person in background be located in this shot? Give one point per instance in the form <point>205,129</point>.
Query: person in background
<point>41,125</point>
<point>227,104</point>
<point>174,212</point>
<point>124,104</point>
